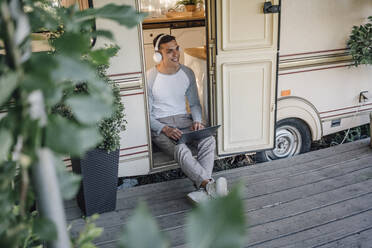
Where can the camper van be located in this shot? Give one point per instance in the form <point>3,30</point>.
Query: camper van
<point>276,75</point>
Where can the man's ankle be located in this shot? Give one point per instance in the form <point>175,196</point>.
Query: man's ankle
<point>205,182</point>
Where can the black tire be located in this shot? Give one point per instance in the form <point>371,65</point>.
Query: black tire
<point>292,137</point>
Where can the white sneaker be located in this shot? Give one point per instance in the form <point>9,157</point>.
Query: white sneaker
<point>221,187</point>
<point>198,196</point>
<point>217,188</point>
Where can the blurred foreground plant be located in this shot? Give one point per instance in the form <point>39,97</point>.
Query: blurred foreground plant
<point>218,223</point>
<point>33,138</point>
<point>88,234</point>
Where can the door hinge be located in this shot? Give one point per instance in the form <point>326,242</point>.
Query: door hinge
<point>212,74</point>
<point>269,8</point>
<point>273,106</point>
<point>212,61</point>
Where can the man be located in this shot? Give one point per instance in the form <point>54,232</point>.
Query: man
<point>170,83</point>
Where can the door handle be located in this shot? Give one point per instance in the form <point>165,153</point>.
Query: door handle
<point>269,8</point>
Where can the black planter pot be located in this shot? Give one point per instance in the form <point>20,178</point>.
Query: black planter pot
<point>99,171</point>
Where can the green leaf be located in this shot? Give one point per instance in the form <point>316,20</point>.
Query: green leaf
<point>103,33</point>
<point>122,14</point>
<point>88,246</point>
<point>8,170</point>
<point>88,234</point>
<point>72,44</point>
<point>71,69</point>
<point>65,137</point>
<point>8,83</point>
<point>218,223</point>
<point>142,231</point>
<point>102,56</point>
<point>45,229</point>
<point>38,76</point>
<point>88,110</point>
<point>100,89</point>
<point>43,17</point>
<point>6,143</point>
<point>360,44</point>
<point>69,182</point>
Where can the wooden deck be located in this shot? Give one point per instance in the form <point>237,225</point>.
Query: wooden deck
<point>318,199</point>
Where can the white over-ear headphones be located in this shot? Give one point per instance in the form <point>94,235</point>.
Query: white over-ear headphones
<point>157,57</point>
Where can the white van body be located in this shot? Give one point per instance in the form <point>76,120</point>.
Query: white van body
<point>262,69</point>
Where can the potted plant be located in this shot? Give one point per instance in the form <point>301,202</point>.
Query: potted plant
<point>99,166</point>
<point>190,5</point>
<point>360,44</point>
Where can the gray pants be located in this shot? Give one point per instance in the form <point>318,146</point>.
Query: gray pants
<point>198,169</point>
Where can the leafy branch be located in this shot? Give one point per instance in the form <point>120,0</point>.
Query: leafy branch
<point>360,43</point>
<point>34,138</point>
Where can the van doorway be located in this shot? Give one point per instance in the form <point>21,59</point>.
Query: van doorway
<point>189,29</point>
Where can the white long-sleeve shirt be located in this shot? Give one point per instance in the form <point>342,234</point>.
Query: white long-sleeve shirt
<point>167,95</point>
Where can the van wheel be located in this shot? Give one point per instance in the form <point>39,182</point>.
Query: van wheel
<point>292,137</point>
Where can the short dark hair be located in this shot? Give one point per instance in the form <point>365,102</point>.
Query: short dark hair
<point>165,39</point>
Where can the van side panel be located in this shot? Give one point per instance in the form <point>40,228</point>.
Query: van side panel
<point>319,25</point>
<point>315,64</point>
<point>126,69</point>
<point>333,91</point>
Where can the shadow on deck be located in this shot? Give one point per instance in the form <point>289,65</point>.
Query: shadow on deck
<point>318,199</point>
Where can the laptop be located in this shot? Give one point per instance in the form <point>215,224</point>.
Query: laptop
<point>188,137</point>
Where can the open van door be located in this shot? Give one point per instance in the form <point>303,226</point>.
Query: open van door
<point>242,60</point>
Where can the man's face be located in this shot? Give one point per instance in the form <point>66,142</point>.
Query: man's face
<point>171,53</point>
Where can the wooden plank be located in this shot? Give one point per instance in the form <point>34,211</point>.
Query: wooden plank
<point>271,233</point>
<point>307,206</point>
<point>266,187</point>
<point>350,149</point>
<point>318,229</point>
<point>176,219</point>
<point>313,224</point>
<point>364,174</point>
<point>184,185</point>
<point>336,235</point>
<point>359,147</point>
<point>307,190</point>
<point>175,201</point>
<point>370,128</point>
<point>359,239</point>
<point>305,231</point>
<point>265,183</point>
<point>257,174</point>
<point>312,203</point>
<point>267,169</point>
<point>281,197</point>
<point>109,245</point>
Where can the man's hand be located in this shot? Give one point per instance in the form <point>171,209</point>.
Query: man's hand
<point>196,126</point>
<point>172,133</point>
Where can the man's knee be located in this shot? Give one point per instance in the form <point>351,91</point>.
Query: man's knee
<point>180,151</point>
<point>209,143</point>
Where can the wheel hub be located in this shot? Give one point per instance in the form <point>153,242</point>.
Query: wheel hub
<point>287,143</point>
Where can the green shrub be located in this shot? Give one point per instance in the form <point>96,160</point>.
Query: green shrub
<point>360,43</point>
<point>110,128</point>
